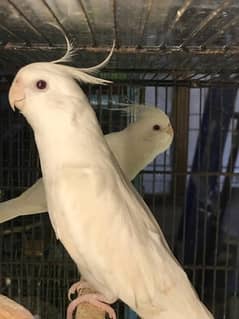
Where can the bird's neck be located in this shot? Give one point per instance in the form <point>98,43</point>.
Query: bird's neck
<point>78,143</point>
<point>138,142</point>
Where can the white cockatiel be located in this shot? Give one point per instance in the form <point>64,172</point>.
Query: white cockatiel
<point>96,213</point>
<point>134,147</point>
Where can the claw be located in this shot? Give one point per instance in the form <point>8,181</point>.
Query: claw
<point>95,299</point>
<point>76,287</point>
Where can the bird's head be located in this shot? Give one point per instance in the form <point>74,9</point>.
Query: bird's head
<point>37,85</point>
<point>154,128</point>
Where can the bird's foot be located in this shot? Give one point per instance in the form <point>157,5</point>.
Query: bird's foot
<point>95,299</point>
<point>77,287</point>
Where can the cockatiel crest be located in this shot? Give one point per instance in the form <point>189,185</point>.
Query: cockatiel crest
<point>40,83</point>
<point>71,52</point>
<point>79,74</point>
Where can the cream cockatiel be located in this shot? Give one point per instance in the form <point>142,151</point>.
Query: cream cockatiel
<point>134,147</point>
<point>102,221</point>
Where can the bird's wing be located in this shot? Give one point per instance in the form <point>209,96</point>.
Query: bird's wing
<point>115,232</point>
<point>120,144</point>
<point>32,201</point>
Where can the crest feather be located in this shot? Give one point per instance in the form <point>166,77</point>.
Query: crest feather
<point>81,76</point>
<point>70,51</point>
<point>101,65</point>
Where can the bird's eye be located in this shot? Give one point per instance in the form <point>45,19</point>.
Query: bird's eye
<point>156,127</point>
<point>41,84</point>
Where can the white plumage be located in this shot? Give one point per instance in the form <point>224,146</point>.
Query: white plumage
<point>134,147</point>
<point>141,141</point>
<point>97,214</point>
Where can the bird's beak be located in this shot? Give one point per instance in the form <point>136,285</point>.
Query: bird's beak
<point>169,130</point>
<point>16,95</point>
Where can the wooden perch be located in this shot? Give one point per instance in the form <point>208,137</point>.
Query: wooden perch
<point>87,311</point>
<point>9,309</point>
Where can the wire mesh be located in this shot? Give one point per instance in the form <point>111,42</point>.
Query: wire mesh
<point>178,37</point>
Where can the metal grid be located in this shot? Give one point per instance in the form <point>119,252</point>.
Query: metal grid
<point>156,40</point>
<point>35,269</point>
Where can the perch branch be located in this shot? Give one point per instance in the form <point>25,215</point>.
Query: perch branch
<point>9,309</point>
<point>88,311</point>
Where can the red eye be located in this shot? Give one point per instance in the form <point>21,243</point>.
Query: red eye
<point>41,84</point>
<point>156,127</point>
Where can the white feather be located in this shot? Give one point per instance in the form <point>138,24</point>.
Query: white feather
<point>84,77</point>
<point>98,67</point>
<point>70,51</point>
<point>69,54</point>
